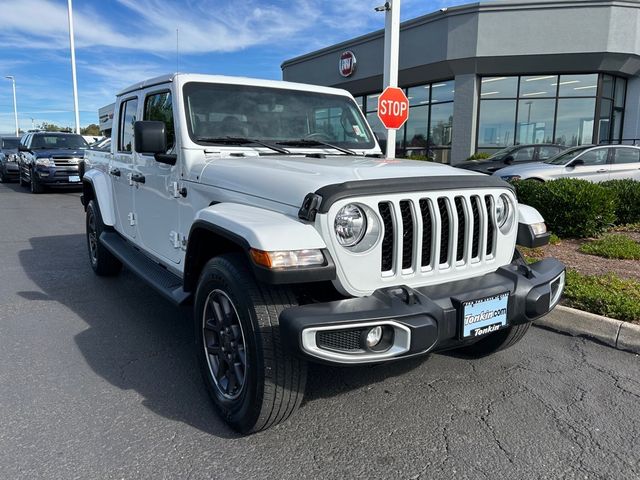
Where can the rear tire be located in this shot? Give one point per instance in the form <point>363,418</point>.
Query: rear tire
<point>253,381</point>
<point>497,341</point>
<point>102,260</point>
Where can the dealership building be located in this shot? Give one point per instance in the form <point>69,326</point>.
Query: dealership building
<point>483,76</point>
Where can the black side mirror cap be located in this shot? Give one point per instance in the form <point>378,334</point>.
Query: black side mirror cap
<point>576,163</point>
<point>22,148</point>
<point>508,160</point>
<point>150,137</point>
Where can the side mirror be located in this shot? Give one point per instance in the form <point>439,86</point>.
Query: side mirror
<point>576,163</point>
<point>22,148</point>
<point>508,159</point>
<point>150,138</point>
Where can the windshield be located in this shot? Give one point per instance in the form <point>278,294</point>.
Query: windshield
<point>10,142</point>
<point>69,142</point>
<point>503,152</point>
<point>273,115</point>
<point>567,155</point>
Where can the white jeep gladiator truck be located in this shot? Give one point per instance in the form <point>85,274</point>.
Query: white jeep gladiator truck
<point>268,206</point>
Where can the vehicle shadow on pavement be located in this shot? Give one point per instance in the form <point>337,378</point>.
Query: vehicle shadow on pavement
<point>138,341</point>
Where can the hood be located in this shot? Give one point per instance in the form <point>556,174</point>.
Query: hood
<point>58,152</point>
<point>288,180</point>
<point>526,168</point>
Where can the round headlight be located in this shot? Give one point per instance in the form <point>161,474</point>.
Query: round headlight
<point>502,210</point>
<point>350,225</point>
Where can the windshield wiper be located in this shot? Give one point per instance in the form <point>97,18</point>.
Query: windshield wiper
<point>242,141</point>
<point>307,142</point>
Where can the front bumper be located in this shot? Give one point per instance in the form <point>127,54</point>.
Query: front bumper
<point>62,176</point>
<point>11,169</point>
<point>423,319</point>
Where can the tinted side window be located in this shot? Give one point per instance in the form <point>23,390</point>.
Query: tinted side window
<point>128,112</point>
<point>523,154</point>
<point>158,107</point>
<point>595,157</point>
<point>626,155</point>
<point>547,152</point>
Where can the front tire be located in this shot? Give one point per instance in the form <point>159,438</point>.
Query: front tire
<point>496,342</point>
<point>35,185</point>
<point>253,381</point>
<point>102,261</point>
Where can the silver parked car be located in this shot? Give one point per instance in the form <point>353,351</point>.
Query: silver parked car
<point>587,162</point>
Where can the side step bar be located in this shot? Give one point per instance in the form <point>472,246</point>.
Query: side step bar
<point>165,282</point>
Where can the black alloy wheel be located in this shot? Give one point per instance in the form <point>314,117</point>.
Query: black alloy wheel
<point>224,344</point>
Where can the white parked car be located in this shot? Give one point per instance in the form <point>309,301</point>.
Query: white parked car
<point>269,207</point>
<point>588,162</point>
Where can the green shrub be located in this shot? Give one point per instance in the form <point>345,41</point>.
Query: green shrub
<point>627,193</point>
<point>479,156</point>
<point>606,295</point>
<point>613,246</point>
<point>571,208</point>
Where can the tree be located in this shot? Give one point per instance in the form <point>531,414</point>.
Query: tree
<point>91,129</point>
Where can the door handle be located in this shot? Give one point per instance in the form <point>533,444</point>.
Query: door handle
<point>602,170</point>
<point>115,172</point>
<point>138,178</point>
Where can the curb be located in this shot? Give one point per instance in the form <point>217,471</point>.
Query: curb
<point>615,333</point>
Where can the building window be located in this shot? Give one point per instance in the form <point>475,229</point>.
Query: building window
<point>550,109</point>
<point>427,132</point>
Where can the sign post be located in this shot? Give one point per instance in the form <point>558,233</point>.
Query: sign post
<point>391,54</point>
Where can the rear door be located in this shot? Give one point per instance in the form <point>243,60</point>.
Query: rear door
<point>596,166</point>
<point>625,163</point>
<point>121,167</point>
<point>545,152</point>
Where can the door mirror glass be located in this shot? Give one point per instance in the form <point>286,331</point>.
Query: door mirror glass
<point>508,159</point>
<point>150,137</point>
<point>576,163</point>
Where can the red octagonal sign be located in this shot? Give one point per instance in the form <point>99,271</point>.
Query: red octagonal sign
<point>393,108</point>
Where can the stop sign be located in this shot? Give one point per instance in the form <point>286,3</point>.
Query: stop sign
<point>393,108</point>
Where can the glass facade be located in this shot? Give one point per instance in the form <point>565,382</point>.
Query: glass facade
<point>427,132</point>
<point>558,109</point>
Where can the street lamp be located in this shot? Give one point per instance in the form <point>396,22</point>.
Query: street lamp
<point>73,67</point>
<point>15,106</point>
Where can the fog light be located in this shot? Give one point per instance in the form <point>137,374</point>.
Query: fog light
<point>374,336</point>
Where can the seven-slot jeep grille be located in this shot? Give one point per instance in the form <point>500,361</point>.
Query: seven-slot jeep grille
<point>448,230</point>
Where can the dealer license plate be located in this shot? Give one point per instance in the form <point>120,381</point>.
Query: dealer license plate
<point>74,178</point>
<point>483,316</point>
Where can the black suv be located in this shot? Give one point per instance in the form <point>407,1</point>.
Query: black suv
<point>51,159</point>
<point>8,158</point>
<point>510,155</point>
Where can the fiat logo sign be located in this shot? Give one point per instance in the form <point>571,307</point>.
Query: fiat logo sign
<point>347,65</point>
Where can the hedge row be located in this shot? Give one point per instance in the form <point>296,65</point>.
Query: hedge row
<point>576,208</point>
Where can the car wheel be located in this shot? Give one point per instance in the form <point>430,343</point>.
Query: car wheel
<point>35,185</point>
<point>21,181</point>
<point>102,260</point>
<point>253,381</point>
<point>3,179</point>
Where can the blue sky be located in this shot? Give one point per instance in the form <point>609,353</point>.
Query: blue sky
<point>119,42</point>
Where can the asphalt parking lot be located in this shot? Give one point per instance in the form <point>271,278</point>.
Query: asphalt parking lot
<point>97,380</point>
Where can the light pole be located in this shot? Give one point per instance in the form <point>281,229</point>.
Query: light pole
<point>15,105</point>
<point>391,54</point>
<point>73,68</point>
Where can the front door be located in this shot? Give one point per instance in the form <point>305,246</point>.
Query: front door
<point>156,198</point>
<point>121,168</point>
<point>596,166</point>
<point>625,163</point>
